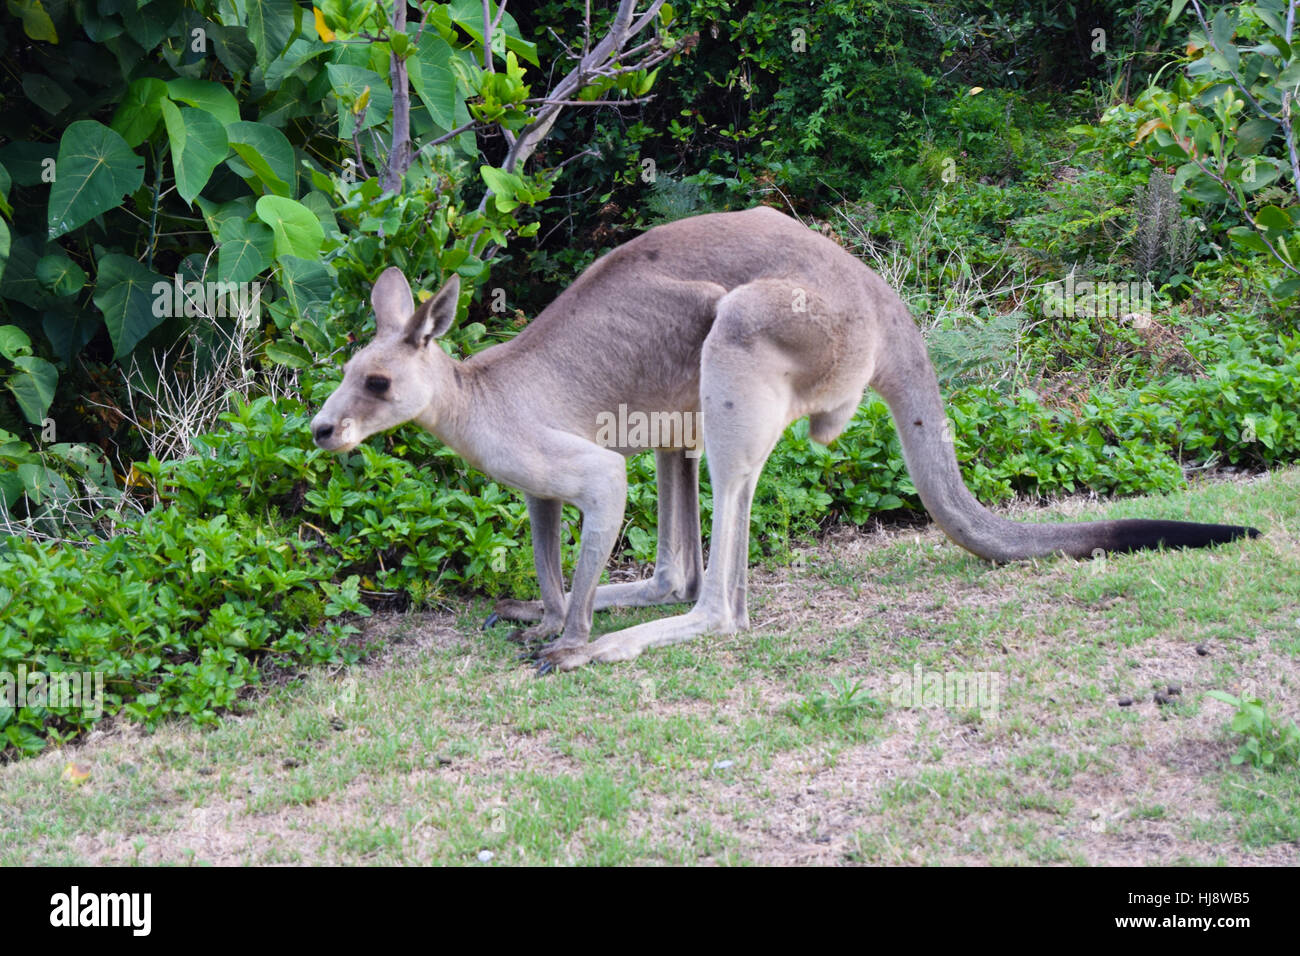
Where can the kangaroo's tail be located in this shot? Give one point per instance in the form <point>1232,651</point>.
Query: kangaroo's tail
<point>906,379</point>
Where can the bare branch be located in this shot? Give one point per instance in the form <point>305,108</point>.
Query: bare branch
<point>471,125</point>
<point>594,63</point>
<point>399,156</point>
<point>639,99</point>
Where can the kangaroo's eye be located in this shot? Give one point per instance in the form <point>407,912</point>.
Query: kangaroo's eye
<point>376,384</point>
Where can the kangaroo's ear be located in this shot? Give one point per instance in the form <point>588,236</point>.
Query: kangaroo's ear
<point>391,298</point>
<point>434,317</point>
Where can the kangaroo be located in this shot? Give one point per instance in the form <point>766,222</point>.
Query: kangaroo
<point>749,320</point>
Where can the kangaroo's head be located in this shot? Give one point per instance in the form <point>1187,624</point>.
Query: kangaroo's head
<point>399,375</point>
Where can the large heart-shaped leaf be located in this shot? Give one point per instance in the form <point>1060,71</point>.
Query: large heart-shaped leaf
<point>271,25</point>
<point>125,293</point>
<point>230,43</point>
<point>141,108</point>
<point>297,230</point>
<point>94,170</point>
<point>204,95</point>
<point>320,204</point>
<point>299,54</point>
<point>434,82</point>
<point>70,328</point>
<point>33,386</point>
<point>246,249</point>
<point>20,283</point>
<point>263,152</point>
<point>215,214</point>
<point>198,143</point>
<point>60,274</point>
<point>308,282</point>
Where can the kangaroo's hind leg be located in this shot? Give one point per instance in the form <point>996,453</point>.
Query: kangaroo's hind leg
<point>747,399</point>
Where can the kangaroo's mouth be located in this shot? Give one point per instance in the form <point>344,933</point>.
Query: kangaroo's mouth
<point>338,438</point>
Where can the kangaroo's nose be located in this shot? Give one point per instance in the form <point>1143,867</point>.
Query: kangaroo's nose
<point>323,432</point>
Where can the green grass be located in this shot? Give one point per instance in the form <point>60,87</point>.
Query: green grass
<point>783,745</point>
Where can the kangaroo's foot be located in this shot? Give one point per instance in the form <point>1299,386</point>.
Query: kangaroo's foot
<point>564,653</point>
<point>627,644</point>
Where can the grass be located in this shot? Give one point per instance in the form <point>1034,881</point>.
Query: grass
<point>787,744</point>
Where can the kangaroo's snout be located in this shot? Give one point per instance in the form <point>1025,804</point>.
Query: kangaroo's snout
<point>332,436</point>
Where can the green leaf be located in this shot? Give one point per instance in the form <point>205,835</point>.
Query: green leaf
<point>433,80</point>
<point>94,170</point>
<point>124,293</point>
<point>1176,9</point>
<point>505,185</point>
<point>1222,29</point>
<point>288,353</point>
<point>1253,135</point>
<point>4,246</point>
<point>270,28</point>
<point>1274,220</point>
<point>1192,180</point>
<point>36,22</point>
<point>297,230</point>
<point>349,84</point>
<point>198,144</point>
<point>45,93</point>
<point>138,113</point>
<point>292,62</point>
<point>245,251</point>
<point>263,153</point>
<point>33,386</point>
<point>215,214</point>
<point>1290,76</point>
<point>1285,289</point>
<point>204,95</point>
<point>1248,238</point>
<point>14,342</point>
<point>308,283</point>
<point>60,275</point>
<point>468,15</point>
<point>68,330</point>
